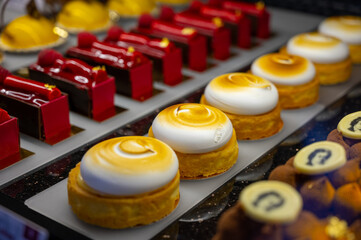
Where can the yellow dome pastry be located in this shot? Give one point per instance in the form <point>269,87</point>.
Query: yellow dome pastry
<point>131,8</point>
<point>202,137</point>
<point>78,15</point>
<point>294,77</point>
<point>28,33</point>
<point>250,102</point>
<point>173,2</point>
<point>347,29</point>
<point>125,182</point>
<point>330,56</point>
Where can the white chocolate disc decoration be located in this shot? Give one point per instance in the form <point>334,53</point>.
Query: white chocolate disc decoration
<point>128,166</point>
<point>192,128</point>
<point>284,69</point>
<point>346,28</point>
<point>320,157</point>
<point>271,202</point>
<point>242,94</point>
<point>350,125</point>
<point>318,48</point>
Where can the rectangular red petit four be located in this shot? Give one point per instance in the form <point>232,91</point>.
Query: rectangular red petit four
<point>131,69</point>
<point>193,45</point>
<point>218,37</point>
<point>9,137</point>
<point>42,110</point>
<point>238,24</point>
<point>90,90</point>
<point>166,57</point>
<point>260,17</point>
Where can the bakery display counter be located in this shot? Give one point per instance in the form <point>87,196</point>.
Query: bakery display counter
<point>36,186</point>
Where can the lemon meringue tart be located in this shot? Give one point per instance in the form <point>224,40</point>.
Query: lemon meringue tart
<point>294,76</point>
<point>347,29</point>
<point>249,101</point>
<point>202,137</point>
<point>125,182</point>
<point>330,56</point>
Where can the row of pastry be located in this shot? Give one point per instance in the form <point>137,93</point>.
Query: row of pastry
<point>155,49</point>
<point>294,78</point>
<point>213,21</point>
<point>204,140</point>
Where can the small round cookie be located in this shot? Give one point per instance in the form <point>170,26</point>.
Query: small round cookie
<point>320,158</point>
<point>348,134</point>
<point>125,182</point>
<point>271,202</point>
<point>250,102</point>
<point>77,16</point>
<point>346,28</point>
<point>202,137</point>
<point>263,210</point>
<point>294,77</point>
<point>329,55</point>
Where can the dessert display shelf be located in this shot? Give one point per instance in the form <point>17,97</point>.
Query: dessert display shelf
<point>52,202</point>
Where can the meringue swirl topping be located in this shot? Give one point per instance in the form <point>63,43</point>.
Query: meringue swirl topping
<point>192,128</point>
<point>128,165</point>
<point>241,93</point>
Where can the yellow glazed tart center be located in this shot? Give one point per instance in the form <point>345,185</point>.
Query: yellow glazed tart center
<point>350,125</point>
<point>26,32</point>
<point>134,147</point>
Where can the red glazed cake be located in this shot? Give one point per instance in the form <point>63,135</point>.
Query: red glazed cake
<point>9,137</point>
<point>42,110</point>
<point>131,69</point>
<point>193,45</point>
<point>167,59</point>
<point>218,37</point>
<point>235,21</point>
<point>258,14</point>
<point>90,90</point>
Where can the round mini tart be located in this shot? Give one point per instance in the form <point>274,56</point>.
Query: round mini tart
<point>329,55</point>
<point>319,158</point>
<point>202,137</point>
<point>250,102</point>
<point>125,182</point>
<point>77,16</point>
<point>29,34</point>
<point>347,29</point>
<point>271,202</point>
<point>294,77</point>
<point>350,126</point>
